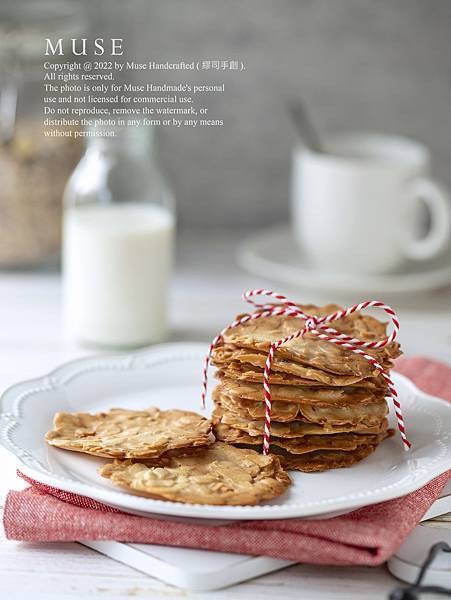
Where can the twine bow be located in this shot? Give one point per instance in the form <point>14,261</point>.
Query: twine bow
<point>319,327</point>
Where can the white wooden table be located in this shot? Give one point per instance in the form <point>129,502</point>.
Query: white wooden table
<point>205,295</point>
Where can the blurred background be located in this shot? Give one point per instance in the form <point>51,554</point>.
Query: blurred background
<point>377,66</point>
<point>355,65</point>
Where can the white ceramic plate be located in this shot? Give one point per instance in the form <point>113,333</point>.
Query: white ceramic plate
<point>274,254</point>
<point>170,376</point>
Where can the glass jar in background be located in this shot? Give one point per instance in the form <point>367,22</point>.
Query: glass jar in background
<point>33,168</point>
<point>118,243</point>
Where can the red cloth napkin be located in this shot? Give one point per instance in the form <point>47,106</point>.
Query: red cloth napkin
<point>367,536</point>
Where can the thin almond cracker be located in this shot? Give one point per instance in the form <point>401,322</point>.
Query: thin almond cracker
<point>223,356</point>
<point>218,475</point>
<point>302,445</point>
<point>324,460</point>
<point>138,434</point>
<point>259,334</point>
<point>293,429</point>
<point>318,396</point>
<point>285,412</point>
<point>249,373</point>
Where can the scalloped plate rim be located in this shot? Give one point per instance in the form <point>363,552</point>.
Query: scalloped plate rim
<point>148,507</point>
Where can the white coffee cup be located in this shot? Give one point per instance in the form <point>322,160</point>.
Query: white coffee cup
<point>360,206</point>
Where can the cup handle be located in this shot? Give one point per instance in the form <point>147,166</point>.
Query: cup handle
<point>437,199</point>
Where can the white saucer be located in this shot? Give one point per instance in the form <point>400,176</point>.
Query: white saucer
<point>274,254</point>
<point>170,376</point>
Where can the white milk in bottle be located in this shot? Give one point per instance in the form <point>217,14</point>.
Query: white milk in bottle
<point>118,244</point>
<point>117,261</point>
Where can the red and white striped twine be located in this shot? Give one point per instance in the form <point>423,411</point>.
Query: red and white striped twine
<point>317,326</point>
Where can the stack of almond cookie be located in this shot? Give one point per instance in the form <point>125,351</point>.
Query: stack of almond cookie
<point>329,408</point>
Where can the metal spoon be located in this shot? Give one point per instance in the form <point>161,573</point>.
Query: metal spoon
<point>8,107</point>
<point>306,129</point>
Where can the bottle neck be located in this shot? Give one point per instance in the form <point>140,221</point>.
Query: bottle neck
<point>136,142</point>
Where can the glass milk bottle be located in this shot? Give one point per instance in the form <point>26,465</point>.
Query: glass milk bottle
<point>118,243</point>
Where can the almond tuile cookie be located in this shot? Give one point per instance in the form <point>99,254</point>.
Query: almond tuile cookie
<point>302,445</point>
<point>284,412</point>
<point>318,396</point>
<point>323,460</point>
<point>227,353</point>
<point>138,434</point>
<point>249,373</point>
<point>217,475</point>
<point>289,430</point>
<point>310,350</point>
<point>221,357</point>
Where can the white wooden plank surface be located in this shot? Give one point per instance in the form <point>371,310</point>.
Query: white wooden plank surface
<point>206,293</point>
